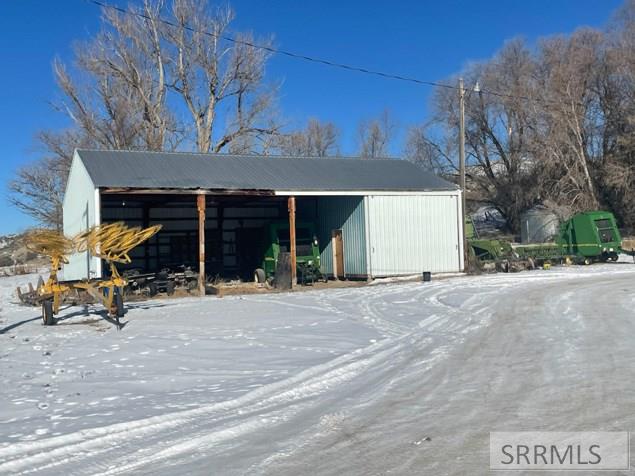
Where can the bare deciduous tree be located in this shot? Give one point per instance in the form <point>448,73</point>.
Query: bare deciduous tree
<point>421,150</point>
<point>35,190</point>
<point>375,136</point>
<point>117,94</point>
<point>126,88</point>
<point>569,68</point>
<point>372,140</point>
<point>209,73</point>
<point>316,140</point>
<point>555,130</point>
<point>131,52</point>
<point>500,169</point>
<point>38,188</point>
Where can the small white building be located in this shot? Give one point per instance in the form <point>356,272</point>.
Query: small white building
<point>373,217</point>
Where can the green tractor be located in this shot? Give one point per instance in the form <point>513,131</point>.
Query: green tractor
<point>262,249</point>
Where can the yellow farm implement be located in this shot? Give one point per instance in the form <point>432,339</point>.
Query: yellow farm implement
<point>112,243</point>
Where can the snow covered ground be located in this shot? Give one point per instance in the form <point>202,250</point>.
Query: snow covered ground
<point>402,378</point>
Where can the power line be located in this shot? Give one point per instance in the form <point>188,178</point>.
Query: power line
<point>313,59</point>
<point>278,51</point>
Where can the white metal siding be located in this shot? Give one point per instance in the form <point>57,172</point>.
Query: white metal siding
<point>81,210</point>
<point>412,234</point>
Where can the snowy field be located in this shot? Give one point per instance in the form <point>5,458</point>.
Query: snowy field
<point>403,378</point>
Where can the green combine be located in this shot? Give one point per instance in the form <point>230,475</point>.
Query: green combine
<point>583,239</point>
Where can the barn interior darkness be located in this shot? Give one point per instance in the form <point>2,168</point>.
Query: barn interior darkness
<point>234,227</point>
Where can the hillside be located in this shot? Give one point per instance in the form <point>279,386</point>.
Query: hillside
<point>13,253</point>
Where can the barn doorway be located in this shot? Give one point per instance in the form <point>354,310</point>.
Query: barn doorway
<point>235,230</point>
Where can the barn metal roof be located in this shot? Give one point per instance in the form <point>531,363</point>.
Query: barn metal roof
<point>172,170</point>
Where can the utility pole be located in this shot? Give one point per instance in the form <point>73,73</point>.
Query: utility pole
<point>462,166</point>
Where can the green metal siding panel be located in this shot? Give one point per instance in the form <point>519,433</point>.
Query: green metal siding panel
<point>347,214</point>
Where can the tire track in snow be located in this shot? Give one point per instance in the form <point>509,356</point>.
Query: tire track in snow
<point>267,413</point>
<point>55,451</point>
<point>69,448</point>
<point>93,439</point>
<point>382,435</point>
<point>430,342</point>
<point>259,408</point>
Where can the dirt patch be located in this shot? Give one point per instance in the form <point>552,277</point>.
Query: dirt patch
<point>628,243</point>
<point>233,289</point>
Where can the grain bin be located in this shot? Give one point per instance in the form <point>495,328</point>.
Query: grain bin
<point>538,225</point>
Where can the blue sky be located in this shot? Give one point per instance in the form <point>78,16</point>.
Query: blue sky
<point>430,40</point>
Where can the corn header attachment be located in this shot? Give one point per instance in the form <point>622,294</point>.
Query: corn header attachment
<point>112,243</point>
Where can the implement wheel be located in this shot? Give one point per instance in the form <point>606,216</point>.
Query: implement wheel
<point>47,313</point>
<point>170,288</point>
<point>119,310</point>
<point>259,275</point>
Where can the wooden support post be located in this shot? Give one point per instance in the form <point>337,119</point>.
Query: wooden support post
<point>220,223</point>
<point>294,277</point>
<point>200,204</point>
<point>146,244</point>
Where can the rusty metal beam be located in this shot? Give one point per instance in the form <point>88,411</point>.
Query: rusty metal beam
<point>200,205</point>
<point>292,248</point>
